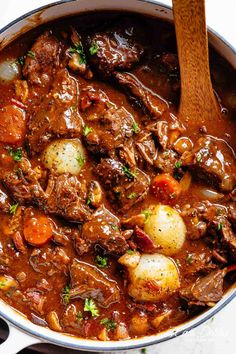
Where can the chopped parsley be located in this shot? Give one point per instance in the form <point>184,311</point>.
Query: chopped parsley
<point>2,283</point>
<point>132,195</point>
<point>178,164</point>
<point>90,306</point>
<point>79,50</point>
<point>81,159</point>
<point>30,54</point>
<point>147,213</point>
<point>21,60</point>
<point>135,128</point>
<point>93,49</point>
<point>199,157</point>
<point>189,258</point>
<point>128,173</point>
<point>66,294</point>
<point>87,130</point>
<point>13,208</point>
<point>220,226</point>
<point>109,324</point>
<point>16,154</point>
<point>144,351</point>
<point>130,251</point>
<point>114,227</point>
<point>79,316</point>
<point>101,261</point>
<point>89,199</point>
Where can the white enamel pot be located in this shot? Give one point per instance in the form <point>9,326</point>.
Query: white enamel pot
<point>24,333</point>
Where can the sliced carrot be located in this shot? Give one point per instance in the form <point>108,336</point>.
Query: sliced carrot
<point>37,227</point>
<point>165,188</point>
<point>12,125</point>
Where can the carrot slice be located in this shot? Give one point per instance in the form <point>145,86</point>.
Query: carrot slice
<point>37,227</point>
<point>165,188</point>
<point>12,125</point>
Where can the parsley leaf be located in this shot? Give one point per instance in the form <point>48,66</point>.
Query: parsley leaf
<point>101,261</point>
<point>147,213</point>
<point>90,306</point>
<point>135,128</point>
<point>30,54</point>
<point>94,48</point>
<point>66,294</point>
<point>132,195</point>
<point>79,316</point>
<point>189,258</point>
<point>114,227</point>
<point>13,208</point>
<point>79,50</point>
<point>128,173</point>
<point>87,130</point>
<point>220,226</point>
<point>81,159</point>
<point>16,154</point>
<point>178,164</point>
<point>130,251</point>
<point>199,157</point>
<point>21,60</point>
<point>109,324</point>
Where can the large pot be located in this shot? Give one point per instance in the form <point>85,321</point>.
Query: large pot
<point>23,332</point>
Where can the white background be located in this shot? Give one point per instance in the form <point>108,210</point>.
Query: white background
<point>218,335</point>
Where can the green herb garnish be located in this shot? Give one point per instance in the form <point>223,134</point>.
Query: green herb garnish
<point>147,213</point>
<point>90,306</point>
<point>189,258</point>
<point>79,50</point>
<point>81,159</point>
<point>21,60</point>
<point>16,154</point>
<point>128,172</point>
<point>135,128</point>
<point>2,283</point>
<point>220,226</point>
<point>114,227</point>
<point>101,261</point>
<point>13,208</point>
<point>178,164</point>
<point>30,54</point>
<point>87,130</point>
<point>130,251</point>
<point>132,195</point>
<point>66,294</point>
<point>93,49</point>
<point>109,324</point>
<point>199,157</point>
<point>144,351</point>
<point>79,316</point>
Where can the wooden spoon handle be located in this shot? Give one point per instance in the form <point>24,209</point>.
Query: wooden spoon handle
<point>198,101</point>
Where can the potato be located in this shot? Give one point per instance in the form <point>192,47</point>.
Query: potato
<point>166,228</point>
<point>155,278</point>
<point>64,156</point>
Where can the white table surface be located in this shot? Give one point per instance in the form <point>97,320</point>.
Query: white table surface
<point>217,336</point>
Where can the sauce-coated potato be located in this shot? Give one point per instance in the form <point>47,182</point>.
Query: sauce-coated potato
<point>64,156</point>
<point>155,278</point>
<point>166,228</point>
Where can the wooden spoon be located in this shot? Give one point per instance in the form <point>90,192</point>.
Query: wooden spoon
<point>198,102</point>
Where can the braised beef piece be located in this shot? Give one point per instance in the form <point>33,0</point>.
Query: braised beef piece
<point>66,197</point>
<point>42,61</point>
<point>22,183</point>
<point>103,230</point>
<point>4,201</point>
<point>116,49</point>
<point>213,161</point>
<point>87,281</point>
<point>149,101</point>
<point>69,320</point>
<point>206,290</point>
<point>57,115</point>
<point>110,127</point>
<point>35,299</point>
<point>145,149</point>
<point>125,187</point>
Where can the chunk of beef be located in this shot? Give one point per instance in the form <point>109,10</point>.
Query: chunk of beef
<point>166,160</point>
<point>118,49</point>
<point>35,300</point>
<point>88,281</point>
<point>145,147</point>
<point>22,183</point>
<point>4,201</point>
<point>205,290</point>
<point>149,101</point>
<point>213,161</point>
<point>125,187</point>
<point>102,230</point>
<point>110,126</point>
<point>69,320</point>
<point>42,61</point>
<point>57,115</point>
<point>66,197</point>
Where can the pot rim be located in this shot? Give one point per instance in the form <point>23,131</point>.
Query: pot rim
<point>18,320</point>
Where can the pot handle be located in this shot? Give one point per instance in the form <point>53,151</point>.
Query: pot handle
<point>17,340</point>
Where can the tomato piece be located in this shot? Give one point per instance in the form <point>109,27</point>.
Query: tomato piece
<point>12,125</point>
<point>38,227</point>
<point>165,188</point>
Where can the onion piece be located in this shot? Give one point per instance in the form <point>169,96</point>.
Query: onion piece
<point>9,70</point>
<point>210,194</point>
<point>185,181</point>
